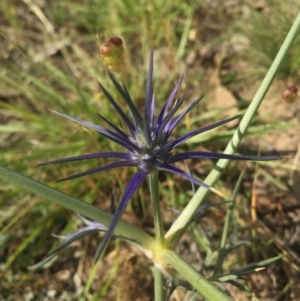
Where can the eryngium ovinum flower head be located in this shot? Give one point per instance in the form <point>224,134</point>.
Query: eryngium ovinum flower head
<point>147,142</point>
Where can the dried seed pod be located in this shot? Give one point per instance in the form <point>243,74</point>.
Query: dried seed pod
<point>112,52</point>
<point>289,94</point>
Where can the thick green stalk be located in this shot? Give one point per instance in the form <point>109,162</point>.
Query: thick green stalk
<point>198,281</point>
<point>159,281</point>
<point>160,292</point>
<point>158,223</point>
<point>181,223</point>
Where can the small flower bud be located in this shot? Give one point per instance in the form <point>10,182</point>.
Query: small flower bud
<point>289,94</point>
<point>112,52</point>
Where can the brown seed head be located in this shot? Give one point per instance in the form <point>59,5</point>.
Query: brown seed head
<point>106,49</point>
<point>289,94</point>
<point>116,41</point>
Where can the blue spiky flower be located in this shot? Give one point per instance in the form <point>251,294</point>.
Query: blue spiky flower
<point>147,142</point>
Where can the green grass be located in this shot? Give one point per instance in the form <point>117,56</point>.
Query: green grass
<point>260,46</point>
<point>65,81</point>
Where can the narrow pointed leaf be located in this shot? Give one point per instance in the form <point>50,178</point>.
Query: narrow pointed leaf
<point>187,136</point>
<point>166,121</point>
<point>123,91</point>
<point>199,214</point>
<point>115,155</point>
<point>148,117</point>
<point>126,95</point>
<point>118,109</point>
<point>99,169</point>
<point>105,132</point>
<point>116,129</point>
<point>71,237</point>
<point>211,155</point>
<point>152,112</point>
<point>252,267</point>
<point>132,186</point>
<point>67,240</point>
<point>170,99</point>
<point>175,170</point>
<point>176,120</point>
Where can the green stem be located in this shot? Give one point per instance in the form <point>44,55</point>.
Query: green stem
<point>160,292</point>
<point>198,281</point>
<point>159,280</point>
<point>158,223</point>
<point>181,223</point>
<point>228,220</point>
